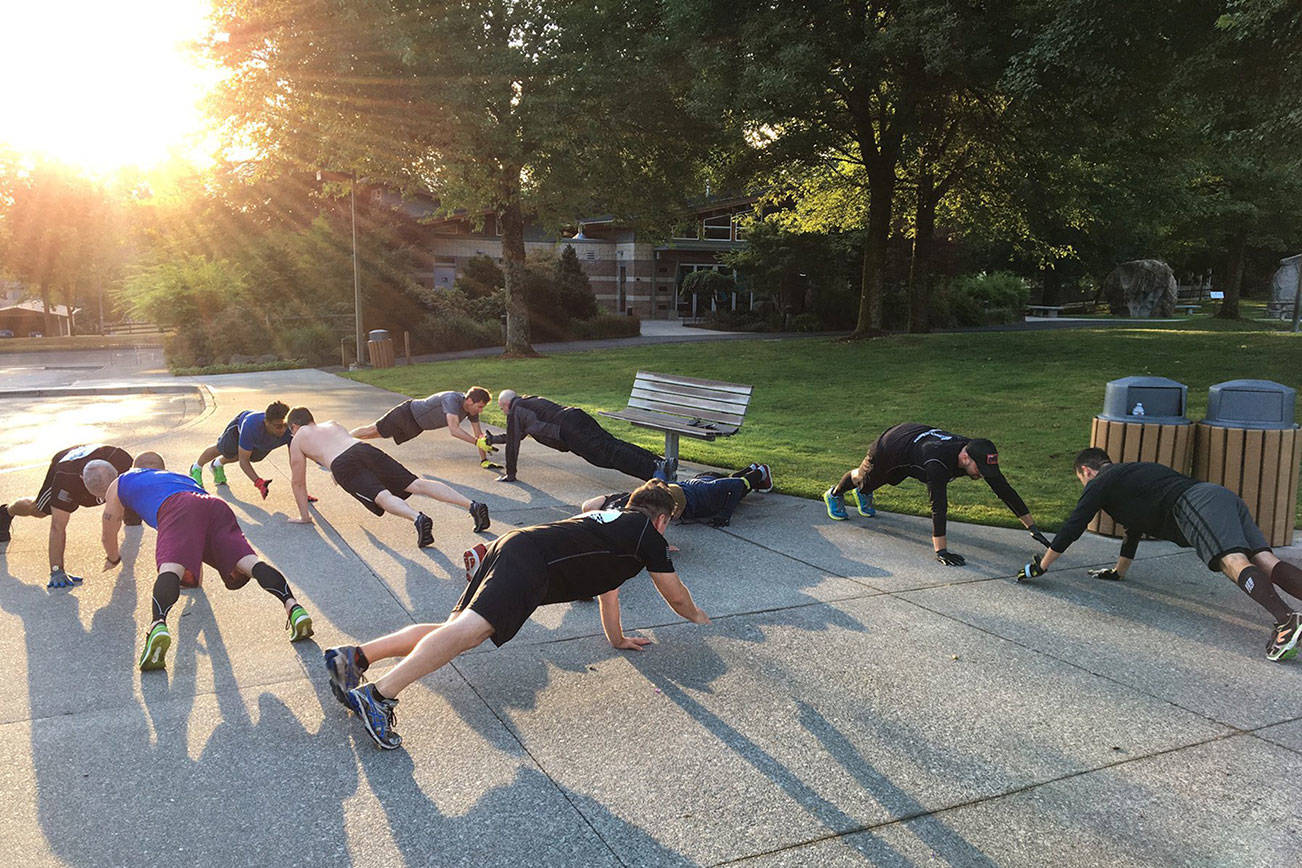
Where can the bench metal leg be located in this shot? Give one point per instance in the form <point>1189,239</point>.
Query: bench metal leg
<point>671,455</point>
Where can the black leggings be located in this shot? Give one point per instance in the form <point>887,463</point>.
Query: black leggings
<point>596,445</point>
<point>167,588</point>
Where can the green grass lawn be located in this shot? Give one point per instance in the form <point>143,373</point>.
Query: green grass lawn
<point>819,403</point>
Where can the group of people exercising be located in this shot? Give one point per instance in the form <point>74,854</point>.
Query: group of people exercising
<point>612,539</point>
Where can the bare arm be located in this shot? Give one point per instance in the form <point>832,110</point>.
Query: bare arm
<point>455,429</point>
<point>298,482</point>
<point>58,535</point>
<point>111,523</point>
<point>474,426</point>
<point>610,624</point>
<point>246,464</point>
<point>678,597</point>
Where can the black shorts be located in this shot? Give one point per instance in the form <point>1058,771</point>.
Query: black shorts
<point>399,424</point>
<point>45,496</point>
<point>364,471</point>
<point>1216,522</point>
<point>229,445</point>
<point>510,583</point>
<point>618,500</point>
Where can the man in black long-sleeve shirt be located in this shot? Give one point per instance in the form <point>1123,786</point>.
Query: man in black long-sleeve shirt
<point>1147,498</point>
<point>914,451</point>
<point>567,429</point>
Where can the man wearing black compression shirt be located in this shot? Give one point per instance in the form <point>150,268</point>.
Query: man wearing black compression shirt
<point>931,455</point>
<point>1154,500</point>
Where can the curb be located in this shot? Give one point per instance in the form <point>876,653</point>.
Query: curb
<point>68,391</point>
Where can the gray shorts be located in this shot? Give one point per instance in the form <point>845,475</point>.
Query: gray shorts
<point>1216,522</point>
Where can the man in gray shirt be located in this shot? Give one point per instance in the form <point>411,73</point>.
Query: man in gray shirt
<point>440,410</point>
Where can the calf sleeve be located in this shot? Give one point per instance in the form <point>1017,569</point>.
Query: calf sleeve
<point>167,590</point>
<point>272,581</point>
<point>846,483</point>
<point>1256,585</point>
<point>1287,578</point>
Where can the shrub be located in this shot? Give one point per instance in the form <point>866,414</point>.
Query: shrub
<point>806,322</point>
<point>605,325</point>
<point>314,343</point>
<point>445,333</point>
<point>988,299</point>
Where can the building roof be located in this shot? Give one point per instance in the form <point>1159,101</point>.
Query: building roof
<point>35,305</point>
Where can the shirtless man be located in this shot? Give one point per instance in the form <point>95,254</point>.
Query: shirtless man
<point>379,482</point>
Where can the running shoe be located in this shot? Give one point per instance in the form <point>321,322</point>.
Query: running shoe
<point>863,501</point>
<point>1283,642</point>
<point>196,473</point>
<point>473,557</point>
<point>835,507</point>
<point>218,473</point>
<point>157,641</point>
<point>345,674</point>
<point>377,715</point>
<point>766,478</point>
<point>298,624</point>
<point>479,511</point>
<point>666,469</point>
<point>5,520</point>
<point>424,530</point>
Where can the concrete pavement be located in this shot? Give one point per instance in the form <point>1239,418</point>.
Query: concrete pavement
<point>852,702</point>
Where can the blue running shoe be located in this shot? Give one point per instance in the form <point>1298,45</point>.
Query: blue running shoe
<point>345,674</point>
<point>377,715</point>
<point>835,508</point>
<point>863,502</point>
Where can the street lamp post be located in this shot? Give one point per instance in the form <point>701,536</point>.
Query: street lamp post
<point>357,282</point>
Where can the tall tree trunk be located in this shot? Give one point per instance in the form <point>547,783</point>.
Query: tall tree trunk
<point>881,196</point>
<point>924,221</point>
<point>1051,280</point>
<point>1233,278</point>
<point>45,301</point>
<point>517,307</point>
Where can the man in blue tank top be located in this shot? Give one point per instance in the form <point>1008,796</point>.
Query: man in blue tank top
<point>194,528</point>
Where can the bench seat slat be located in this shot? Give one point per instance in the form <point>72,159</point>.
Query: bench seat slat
<point>741,398</point>
<point>683,406</point>
<point>676,424</point>
<point>675,379</point>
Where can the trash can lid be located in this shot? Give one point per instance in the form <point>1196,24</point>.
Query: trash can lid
<point>378,335</point>
<point>1162,401</point>
<point>1262,404</point>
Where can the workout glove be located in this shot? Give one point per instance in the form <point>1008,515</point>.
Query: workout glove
<point>1037,536</point>
<point>950,559</point>
<point>1031,570</point>
<point>489,465</point>
<point>484,444</point>
<point>263,485</point>
<point>1108,574</point>
<point>60,579</point>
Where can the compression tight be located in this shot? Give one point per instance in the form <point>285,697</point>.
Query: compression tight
<point>1287,578</point>
<point>167,590</point>
<point>272,581</point>
<point>1255,584</point>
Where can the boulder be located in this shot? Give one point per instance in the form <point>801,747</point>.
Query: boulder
<point>1141,288</point>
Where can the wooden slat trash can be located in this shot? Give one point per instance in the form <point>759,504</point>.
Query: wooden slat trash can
<point>1169,444</point>
<point>1249,444</point>
<point>379,346</point>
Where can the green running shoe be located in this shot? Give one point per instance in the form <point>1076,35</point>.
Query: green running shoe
<point>835,507</point>
<point>862,502</point>
<point>298,624</point>
<point>218,473</point>
<point>196,473</point>
<point>157,641</point>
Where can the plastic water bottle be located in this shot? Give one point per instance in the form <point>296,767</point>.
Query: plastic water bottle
<point>1138,411</point>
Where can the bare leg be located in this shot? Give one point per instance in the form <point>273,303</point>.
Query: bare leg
<point>1265,560</point>
<point>438,491</point>
<point>465,631</point>
<point>366,432</point>
<point>207,455</point>
<point>394,505</point>
<point>399,643</point>
<point>26,507</point>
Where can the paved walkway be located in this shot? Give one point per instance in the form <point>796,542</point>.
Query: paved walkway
<point>852,702</point>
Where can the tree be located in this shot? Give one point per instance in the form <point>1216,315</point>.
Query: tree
<point>515,110</point>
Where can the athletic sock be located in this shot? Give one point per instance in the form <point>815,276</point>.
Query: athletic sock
<point>167,590</point>
<point>846,483</point>
<point>217,462</point>
<point>271,580</point>
<point>1284,576</point>
<point>1255,584</point>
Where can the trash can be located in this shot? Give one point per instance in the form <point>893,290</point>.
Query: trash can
<point>1249,444</point>
<point>380,347</point>
<point>1143,419</point>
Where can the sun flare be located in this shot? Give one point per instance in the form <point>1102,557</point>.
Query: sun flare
<point>103,85</point>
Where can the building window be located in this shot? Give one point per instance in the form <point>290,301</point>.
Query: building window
<point>718,228</point>
<point>688,230</point>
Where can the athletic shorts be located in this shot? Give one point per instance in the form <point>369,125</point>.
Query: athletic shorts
<point>1216,522</point>
<point>511,582</point>
<point>616,501</point>
<point>364,471</point>
<point>45,497</point>
<point>196,529</point>
<point>399,424</point>
<point>229,445</point>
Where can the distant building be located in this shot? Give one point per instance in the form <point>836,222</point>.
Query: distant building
<point>27,318</point>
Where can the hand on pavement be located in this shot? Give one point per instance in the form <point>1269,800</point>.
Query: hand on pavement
<point>950,559</point>
<point>631,643</point>
<point>1108,574</point>
<point>262,485</point>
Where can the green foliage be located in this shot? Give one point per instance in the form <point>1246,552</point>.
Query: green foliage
<point>984,299</point>
<point>707,285</point>
<point>806,322</point>
<point>606,325</point>
<point>480,277</point>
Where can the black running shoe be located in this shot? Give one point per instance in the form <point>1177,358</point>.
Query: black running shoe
<point>345,674</point>
<point>5,520</point>
<point>479,511</point>
<point>377,715</point>
<point>1284,639</point>
<point>424,530</point>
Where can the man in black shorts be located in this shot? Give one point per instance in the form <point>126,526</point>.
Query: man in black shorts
<point>1148,498</point>
<point>914,451</point>
<point>62,492</point>
<point>569,429</point>
<point>440,410</point>
<point>584,556</point>
<point>374,479</point>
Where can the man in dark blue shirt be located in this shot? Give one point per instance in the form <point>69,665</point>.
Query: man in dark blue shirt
<point>707,497</point>
<point>249,437</point>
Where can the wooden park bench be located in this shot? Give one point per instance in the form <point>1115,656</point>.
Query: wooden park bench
<point>704,409</point>
<point>1043,310</point>
<point>1188,309</point>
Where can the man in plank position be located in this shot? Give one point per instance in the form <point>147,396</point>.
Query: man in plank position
<point>247,438</point>
<point>584,556</point>
<point>374,479</point>
<point>707,497</point>
<point>1149,498</point>
<point>440,410</point>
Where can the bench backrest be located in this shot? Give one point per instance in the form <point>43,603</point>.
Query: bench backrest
<point>708,400</point>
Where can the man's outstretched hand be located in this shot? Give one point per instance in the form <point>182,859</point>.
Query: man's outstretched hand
<point>1108,575</point>
<point>631,643</point>
<point>263,486</point>
<point>1031,569</point>
<point>950,559</point>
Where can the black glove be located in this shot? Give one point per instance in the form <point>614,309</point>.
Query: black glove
<point>1107,574</point>
<point>494,439</point>
<point>720,521</point>
<point>950,559</point>
<point>506,477</point>
<point>1031,570</point>
<point>1037,536</point>
<point>489,465</point>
